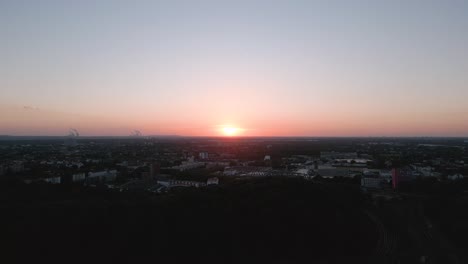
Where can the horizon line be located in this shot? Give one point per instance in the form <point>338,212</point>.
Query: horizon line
<point>226,137</point>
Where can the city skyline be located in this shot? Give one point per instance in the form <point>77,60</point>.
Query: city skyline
<point>234,68</point>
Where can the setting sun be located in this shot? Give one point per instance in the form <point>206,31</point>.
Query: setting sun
<point>230,131</point>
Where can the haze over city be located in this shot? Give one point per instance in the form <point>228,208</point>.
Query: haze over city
<point>234,68</point>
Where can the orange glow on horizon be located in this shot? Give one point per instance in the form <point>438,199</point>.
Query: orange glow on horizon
<point>230,131</point>
<point>42,121</point>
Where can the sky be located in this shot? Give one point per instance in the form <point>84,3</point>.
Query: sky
<point>244,68</point>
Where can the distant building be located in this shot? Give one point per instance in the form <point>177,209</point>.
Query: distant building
<point>455,177</point>
<point>212,181</point>
<point>334,172</point>
<point>224,156</point>
<point>102,176</point>
<point>17,166</point>
<point>177,183</point>
<point>213,164</point>
<point>338,155</point>
<point>386,175</point>
<point>78,177</point>
<point>53,180</point>
<point>371,173</point>
<point>123,164</point>
<point>424,171</point>
<point>145,175</point>
<point>154,169</point>
<point>395,177</point>
<point>189,165</point>
<point>247,171</point>
<point>70,142</point>
<point>303,171</point>
<point>203,155</point>
<point>372,182</point>
<point>400,175</point>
